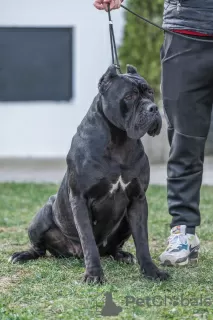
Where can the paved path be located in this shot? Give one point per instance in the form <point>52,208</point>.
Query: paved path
<point>44,171</point>
<point>159,173</point>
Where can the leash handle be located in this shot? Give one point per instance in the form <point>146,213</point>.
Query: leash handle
<point>114,53</point>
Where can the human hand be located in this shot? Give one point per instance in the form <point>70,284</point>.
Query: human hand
<point>103,4</point>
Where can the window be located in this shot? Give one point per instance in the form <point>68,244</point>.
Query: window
<point>36,64</point>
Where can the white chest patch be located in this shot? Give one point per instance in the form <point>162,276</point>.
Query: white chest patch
<point>115,186</point>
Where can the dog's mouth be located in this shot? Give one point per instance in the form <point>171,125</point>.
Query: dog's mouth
<point>144,122</point>
<point>155,126</point>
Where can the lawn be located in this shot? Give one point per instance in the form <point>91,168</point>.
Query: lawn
<point>52,288</point>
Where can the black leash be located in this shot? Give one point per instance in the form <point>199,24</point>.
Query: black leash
<point>165,30</point>
<point>115,60</point>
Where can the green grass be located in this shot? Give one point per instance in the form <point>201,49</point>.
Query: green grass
<point>52,288</point>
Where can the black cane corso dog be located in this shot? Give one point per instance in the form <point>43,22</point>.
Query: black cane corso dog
<point>102,199</point>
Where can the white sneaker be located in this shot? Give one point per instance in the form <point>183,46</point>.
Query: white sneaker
<point>182,248</point>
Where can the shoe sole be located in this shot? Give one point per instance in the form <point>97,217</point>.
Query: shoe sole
<point>192,259</point>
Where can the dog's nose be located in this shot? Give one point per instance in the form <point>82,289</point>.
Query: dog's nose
<point>152,108</point>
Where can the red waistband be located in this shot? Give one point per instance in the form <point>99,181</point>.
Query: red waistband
<point>193,33</point>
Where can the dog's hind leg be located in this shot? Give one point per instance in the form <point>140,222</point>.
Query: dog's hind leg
<point>41,223</point>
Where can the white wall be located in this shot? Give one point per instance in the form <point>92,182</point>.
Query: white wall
<point>45,129</point>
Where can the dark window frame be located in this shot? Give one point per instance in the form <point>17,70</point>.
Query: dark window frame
<point>67,91</point>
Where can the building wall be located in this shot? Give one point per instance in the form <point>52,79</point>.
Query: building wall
<point>45,129</point>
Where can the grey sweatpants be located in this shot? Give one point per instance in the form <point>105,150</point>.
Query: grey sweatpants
<point>187,91</point>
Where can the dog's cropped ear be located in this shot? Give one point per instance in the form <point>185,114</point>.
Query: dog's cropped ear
<point>105,80</point>
<point>131,69</point>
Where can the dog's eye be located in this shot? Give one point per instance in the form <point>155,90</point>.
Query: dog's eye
<point>150,91</point>
<point>129,97</point>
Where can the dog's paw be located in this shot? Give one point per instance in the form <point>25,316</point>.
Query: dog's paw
<point>125,257</point>
<point>153,273</point>
<point>94,277</point>
<point>20,257</point>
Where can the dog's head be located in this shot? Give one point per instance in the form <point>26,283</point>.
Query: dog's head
<point>128,103</point>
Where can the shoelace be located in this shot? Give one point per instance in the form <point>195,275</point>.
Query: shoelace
<point>175,240</point>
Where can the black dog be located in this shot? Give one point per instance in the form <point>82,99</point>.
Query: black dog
<point>101,201</point>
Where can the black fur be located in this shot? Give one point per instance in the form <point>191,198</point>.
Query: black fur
<point>88,218</point>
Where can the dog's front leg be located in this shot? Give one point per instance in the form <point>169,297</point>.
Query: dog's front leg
<point>138,216</point>
<point>94,273</point>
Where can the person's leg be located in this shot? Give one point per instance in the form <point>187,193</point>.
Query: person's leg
<point>187,91</point>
